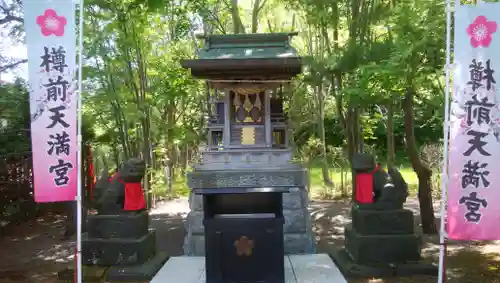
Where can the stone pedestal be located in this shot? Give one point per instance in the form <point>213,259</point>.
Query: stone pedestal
<point>298,235</point>
<point>124,243</point>
<point>381,243</point>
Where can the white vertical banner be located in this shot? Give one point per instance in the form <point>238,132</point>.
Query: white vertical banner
<point>51,44</point>
<point>55,103</point>
<point>473,213</point>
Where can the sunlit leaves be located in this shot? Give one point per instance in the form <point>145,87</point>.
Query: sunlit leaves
<point>135,47</point>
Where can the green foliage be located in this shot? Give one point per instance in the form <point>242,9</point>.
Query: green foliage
<point>160,187</point>
<point>139,101</point>
<point>14,119</point>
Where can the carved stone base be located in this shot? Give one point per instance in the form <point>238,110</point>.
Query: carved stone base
<point>298,235</point>
<point>137,273</point>
<point>251,177</point>
<point>90,273</point>
<point>246,158</point>
<point>133,273</point>
<point>130,225</point>
<point>374,249</point>
<point>96,251</point>
<point>352,269</point>
<point>382,222</point>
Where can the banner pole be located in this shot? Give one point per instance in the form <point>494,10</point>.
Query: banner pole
<point>79,206</point>
<point>446,127</point>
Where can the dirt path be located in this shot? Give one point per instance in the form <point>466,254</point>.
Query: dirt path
<point>168,221</point>
<point>33,252</point>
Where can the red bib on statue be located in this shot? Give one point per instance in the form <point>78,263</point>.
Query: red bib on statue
<point>134,195</point>
<point>364,186</point>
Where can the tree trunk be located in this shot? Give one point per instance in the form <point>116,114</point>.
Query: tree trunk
<point>343,191</point>
<point>321,128</point>
<point>390,134</point>
<point>108,80</point>
<point>255,16</point>
<point>147,157</point>
<point>116,156</point>
<point>320,93</point>
<point>105,163</point>
<point>168,178</point>
<point>352,145</point>
<point>423,173</point>
<point>356,130</point>
<point>361,139</point>
<point>138,85</point>
<point>122,124</point>
<point>237,24</point>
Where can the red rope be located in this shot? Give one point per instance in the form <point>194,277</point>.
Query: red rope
<point>91,173</point>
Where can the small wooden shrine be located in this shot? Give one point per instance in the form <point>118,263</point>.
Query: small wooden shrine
<point>247,74</point>
<point>249,201</point>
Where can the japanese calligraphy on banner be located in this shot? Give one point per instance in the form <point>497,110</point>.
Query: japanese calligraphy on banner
<point>51,44</point>
<point>474,183</point>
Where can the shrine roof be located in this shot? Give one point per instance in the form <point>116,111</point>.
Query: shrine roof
<point>246,55</point>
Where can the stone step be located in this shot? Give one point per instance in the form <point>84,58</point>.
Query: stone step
<point>134,273</point>
<point>354,269</point>
<point>137,273</point>
<point>317,268</point>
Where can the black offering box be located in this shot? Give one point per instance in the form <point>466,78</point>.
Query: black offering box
<point>244,235</point>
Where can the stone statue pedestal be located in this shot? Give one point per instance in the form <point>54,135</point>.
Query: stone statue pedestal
<point>124,243</point>
<point>381,240</point>
<point>381,243</point>
<point>383,236</point>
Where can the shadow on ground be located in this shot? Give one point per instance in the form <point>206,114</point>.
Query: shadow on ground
<point>34,251</point>
<point>169,232</point>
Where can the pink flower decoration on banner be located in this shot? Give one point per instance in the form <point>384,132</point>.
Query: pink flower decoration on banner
<point>51,23</point>
<point>480,31</point>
